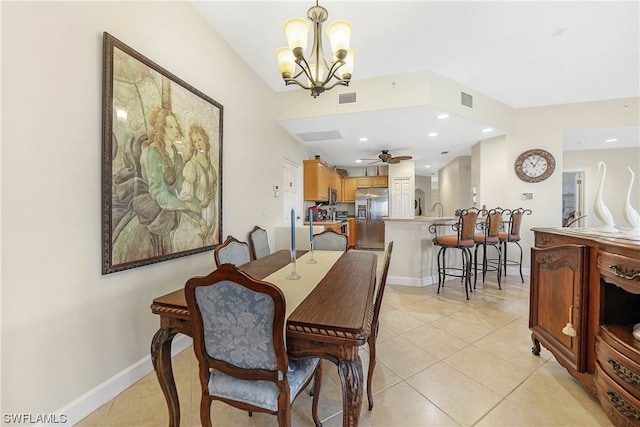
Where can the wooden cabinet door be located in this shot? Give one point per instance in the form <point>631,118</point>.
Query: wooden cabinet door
<point>559,284</point>
<point>363,182</point>
<point>316,181</point>
<point>380,181</point>
<point>351,224</point>
<point>349,189</point>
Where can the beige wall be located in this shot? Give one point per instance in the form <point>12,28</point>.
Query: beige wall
<point>70,336</point>
<point>454,185</point>
<point>543,127</point>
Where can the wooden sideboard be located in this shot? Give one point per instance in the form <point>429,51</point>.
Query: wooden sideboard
<point>585,299</point>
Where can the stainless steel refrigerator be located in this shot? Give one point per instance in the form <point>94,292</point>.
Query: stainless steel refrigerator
<point>371,205</point>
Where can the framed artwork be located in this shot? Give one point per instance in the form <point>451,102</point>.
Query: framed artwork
<point>161,163</point>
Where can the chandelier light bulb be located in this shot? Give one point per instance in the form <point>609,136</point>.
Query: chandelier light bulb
<point>339,34</point>
<point>286,62</point>
<point>297,31</point>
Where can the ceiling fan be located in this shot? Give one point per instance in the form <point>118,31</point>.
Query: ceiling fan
<point>385,157</point>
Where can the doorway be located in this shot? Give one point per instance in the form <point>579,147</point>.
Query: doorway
<point>573,198</point>
<point>291,193</point>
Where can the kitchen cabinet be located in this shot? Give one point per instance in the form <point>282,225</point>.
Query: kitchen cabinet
<point>381,181</point>
<point>318,177</point>
<point>349,186</point>
<point>589,282</point>
<point>335,226</point>
<point>351,227</point>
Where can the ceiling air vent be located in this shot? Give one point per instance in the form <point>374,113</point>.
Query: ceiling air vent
<point>347,98</point>
<point>466,99</point>
<point>319,136</point>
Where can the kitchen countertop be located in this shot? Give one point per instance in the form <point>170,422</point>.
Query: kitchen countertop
<point>338,221</point>
<point>422,219</point>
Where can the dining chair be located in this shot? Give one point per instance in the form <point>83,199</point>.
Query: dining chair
<point>490,228</point>
<point>259,243</point>
<point>462,239</point>
<point>330,240</point>
<point>512,235</point>
<point>232,251</point>
<point>375,322</point>
<point>239,342</point>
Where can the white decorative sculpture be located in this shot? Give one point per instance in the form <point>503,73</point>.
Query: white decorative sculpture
<point>636,331</point>
<point>600,210</point>
<point>630,214</point>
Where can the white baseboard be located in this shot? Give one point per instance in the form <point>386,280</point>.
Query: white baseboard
<point>93,399</point>
<point>411,281</point>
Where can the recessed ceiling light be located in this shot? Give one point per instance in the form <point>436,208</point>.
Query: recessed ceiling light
<point>364,139</point>
<point>487,130</point>
<point>433,134</point>
<point>444,152</point>
<point>611,140</point>
<point>427,166</point>
<point>359,161</point>
<point>442,116</point>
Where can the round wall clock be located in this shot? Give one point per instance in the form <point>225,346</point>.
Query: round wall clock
<point>535,165</point>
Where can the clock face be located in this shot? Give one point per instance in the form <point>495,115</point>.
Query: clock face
<point>534,165</point>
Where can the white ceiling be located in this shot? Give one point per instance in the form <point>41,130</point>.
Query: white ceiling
<point>521,53</point>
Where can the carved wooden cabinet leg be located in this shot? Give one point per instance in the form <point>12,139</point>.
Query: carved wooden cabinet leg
<point>351,377</point>
<point>161,358</point>
<point>536,345</point>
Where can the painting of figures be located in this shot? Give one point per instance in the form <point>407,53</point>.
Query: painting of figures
<point>161,165</point>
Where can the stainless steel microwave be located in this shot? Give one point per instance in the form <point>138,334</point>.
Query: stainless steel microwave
<point>333,196</point>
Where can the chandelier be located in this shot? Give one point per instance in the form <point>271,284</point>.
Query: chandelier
<point>338,71</point>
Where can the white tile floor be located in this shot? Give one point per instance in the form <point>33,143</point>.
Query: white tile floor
<point>442,361</point>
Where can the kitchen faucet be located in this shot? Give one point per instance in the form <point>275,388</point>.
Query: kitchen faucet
<point>440,211</point>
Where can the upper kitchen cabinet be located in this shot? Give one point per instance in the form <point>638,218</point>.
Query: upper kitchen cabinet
<point>318,177</point>
<point>349,186</point>
<point>381,181</point>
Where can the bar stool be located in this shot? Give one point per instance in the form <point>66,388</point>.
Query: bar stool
<point>512,235</point>
<point>463,240</point>
<point>489,237</point>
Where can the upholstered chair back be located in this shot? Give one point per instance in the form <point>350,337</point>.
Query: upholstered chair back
<point>259,242</point>
<point>329,240</point>
<point>232,251</point>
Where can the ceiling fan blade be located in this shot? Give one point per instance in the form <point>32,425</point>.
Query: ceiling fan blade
<point>393,161</point>
<point>377,161</point>
<point>401,158</point>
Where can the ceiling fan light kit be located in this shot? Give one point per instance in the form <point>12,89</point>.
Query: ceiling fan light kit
<point>339,70</point>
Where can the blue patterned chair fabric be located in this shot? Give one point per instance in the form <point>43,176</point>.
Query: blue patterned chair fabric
<point>329,240</point>
<point>259,243</point>
<point>239,341</point>
<point>233,252</point>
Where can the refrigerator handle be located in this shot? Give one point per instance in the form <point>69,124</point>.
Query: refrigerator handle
<point>368,209</point>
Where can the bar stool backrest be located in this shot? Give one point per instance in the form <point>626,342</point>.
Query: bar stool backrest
<point>467,224</point>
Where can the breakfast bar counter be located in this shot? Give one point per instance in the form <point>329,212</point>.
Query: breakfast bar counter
<point>414,258</point>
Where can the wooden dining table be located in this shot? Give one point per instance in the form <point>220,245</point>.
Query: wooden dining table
<point>331,322</point>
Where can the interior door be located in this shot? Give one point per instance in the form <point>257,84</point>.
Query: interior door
<point>291,193</point>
